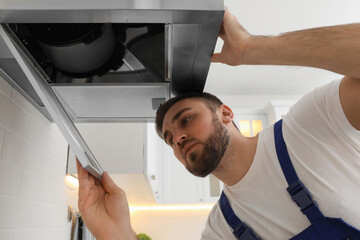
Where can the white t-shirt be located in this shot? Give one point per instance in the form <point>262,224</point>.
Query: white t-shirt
<point>325,151</point>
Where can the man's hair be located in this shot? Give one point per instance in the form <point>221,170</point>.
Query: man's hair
<point>211,101</point>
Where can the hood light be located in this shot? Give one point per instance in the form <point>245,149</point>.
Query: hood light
<point>72,181</point>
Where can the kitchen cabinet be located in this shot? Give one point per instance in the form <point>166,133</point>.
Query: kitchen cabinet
<point>180,186</point>
<point>171,183</point>
<point>154,149</point>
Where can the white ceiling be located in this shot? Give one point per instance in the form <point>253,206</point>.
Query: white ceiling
<point>272,18</point>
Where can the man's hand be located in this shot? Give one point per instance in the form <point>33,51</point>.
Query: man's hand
<point>103,207</point>
<point>235,38</point>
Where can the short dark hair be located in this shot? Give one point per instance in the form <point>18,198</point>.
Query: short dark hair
<point>211,101</point>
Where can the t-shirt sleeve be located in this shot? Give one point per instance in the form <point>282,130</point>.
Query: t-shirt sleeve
<point>320,112</point>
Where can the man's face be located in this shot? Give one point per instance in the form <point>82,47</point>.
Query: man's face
<point>196,134</point>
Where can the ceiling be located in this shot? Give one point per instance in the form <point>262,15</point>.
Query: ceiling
<point>272,18</point>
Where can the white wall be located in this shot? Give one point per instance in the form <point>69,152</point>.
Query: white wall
<point>251,103</point>
<point>33,194</point>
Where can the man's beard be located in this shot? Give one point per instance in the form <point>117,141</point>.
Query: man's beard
<point>213,151</point>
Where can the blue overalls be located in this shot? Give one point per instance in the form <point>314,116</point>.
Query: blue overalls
<point>321,228</point>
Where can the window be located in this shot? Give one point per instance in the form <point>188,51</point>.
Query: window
<point>250,125</point>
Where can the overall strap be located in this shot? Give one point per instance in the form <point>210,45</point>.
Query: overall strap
<point>297,190</point>
<point>240,229</point>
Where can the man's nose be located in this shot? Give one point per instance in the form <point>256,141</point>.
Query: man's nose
<point>179,136</point>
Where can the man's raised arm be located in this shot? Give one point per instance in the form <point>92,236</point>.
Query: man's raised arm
<point>335,48</point>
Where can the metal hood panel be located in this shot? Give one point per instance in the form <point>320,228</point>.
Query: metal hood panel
<point>86,104</point>
<point>190,33</point>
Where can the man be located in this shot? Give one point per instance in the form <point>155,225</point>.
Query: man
<point>321,132</point>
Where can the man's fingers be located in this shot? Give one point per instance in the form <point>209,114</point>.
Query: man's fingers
<point>83,175</point>
<point>108,183</point>
<point>216,57</point>
<point>78,166</point>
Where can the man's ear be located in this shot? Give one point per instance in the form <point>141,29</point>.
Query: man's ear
<point>227,115</point>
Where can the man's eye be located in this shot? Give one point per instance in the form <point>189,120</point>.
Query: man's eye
<point>185,120</point>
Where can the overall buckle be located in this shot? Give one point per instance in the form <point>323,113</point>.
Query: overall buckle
<point>300,195</point>
<point>244,232</point>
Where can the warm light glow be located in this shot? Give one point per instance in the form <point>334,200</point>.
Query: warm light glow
<point>256,126</point>
<point>245,128</point>
<point>171,207</point>
<point>72,181</point>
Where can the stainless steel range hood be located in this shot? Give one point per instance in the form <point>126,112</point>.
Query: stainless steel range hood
<point>186,29</point>
<point>105,61</point>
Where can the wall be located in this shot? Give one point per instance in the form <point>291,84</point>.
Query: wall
<point>33,194</point>
<point>170,224</point>
<point>255,103</point>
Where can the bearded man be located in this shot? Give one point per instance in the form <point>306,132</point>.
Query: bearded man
<point>295,179</point>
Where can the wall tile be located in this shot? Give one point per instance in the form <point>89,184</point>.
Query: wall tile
<point>33,194</point>
<point>42,234</point>
<point>52,169</point>
<point>52,193</point>
<point>17,214</point>
<point>25,214</point>
<point>40,189</point>
<point>35,114</point>
<point>9,180</point>
<point>21,154</point>
<point>7,209</point>
<point>42,139</point>
<point>5,87</point>
<point>38,234</point>
<point>6,235</point>
<point>50,216</point>
<point>26,106</point>
<point>32,187</point>
<point>12,117</point>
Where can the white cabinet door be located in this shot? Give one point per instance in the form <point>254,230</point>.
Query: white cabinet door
<point>212,189</point>
<point>154,149</point>
<point>171,183</point>
<point>180,186</point>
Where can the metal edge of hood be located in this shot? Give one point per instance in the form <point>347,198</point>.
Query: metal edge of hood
<point>113,4</point>
<point>161,11</point>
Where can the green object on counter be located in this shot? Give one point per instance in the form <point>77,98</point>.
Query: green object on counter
<point>143,236</point>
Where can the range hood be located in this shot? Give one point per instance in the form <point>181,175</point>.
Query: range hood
<point>105,61</point>
<point>109,61</point>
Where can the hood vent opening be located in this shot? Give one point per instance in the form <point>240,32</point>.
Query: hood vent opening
<point>87,53</point>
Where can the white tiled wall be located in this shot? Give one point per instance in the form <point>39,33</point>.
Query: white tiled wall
<point>33,194</point>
